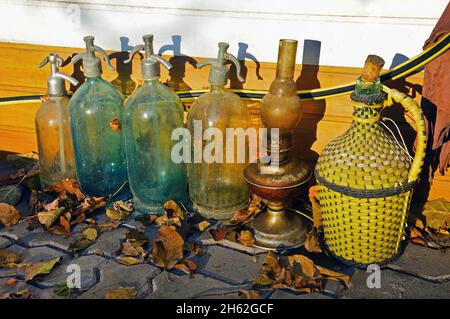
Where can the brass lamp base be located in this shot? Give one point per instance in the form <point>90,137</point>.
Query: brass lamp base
<point>279,229</point>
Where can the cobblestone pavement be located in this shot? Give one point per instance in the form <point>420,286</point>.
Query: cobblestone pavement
<point>225,268</point>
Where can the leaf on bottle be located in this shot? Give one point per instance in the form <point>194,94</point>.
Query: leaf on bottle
<point>312,242</point>
<point>167,247</point>
<point>9,215</point>
<point>121,293</point>
<point>115,124</point>
<point>246,238</point>
<point>68,186</point>
<point>43,268</point>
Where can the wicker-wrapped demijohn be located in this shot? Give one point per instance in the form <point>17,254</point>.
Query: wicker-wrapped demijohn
<point>366,177</point>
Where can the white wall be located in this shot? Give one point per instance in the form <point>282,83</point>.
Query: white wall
<point>348,30</point>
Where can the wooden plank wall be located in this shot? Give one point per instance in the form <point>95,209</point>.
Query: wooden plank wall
<point>322,120</point>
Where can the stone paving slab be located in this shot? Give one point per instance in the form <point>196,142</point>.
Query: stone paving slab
<point>46,239</point>
<point>283,294</point>
<point>170,286</point>
<point>228,265</point>
<point>108,243</point>
<point>19,230</point>
<point>114,275</point>
<point>4,242</point>
<point>424,260</point>
<point>205,239</point>
<point>395,285</point>
<point>89,271</point>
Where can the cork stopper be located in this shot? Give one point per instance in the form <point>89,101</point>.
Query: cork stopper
<point>372,68</point>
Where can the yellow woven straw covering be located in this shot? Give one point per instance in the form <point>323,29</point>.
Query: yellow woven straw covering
<point>364,157</point>
<point>363,230</point>
<point>365,181</point>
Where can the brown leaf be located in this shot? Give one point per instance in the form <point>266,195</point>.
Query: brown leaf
<point>9,216</point>
<point>220,233</point>
<point>173,210</point>
<point>42,268</point>
<point>246,238</point>
<point>90,233</point>
<point>333,275</point>
<point>312,243</point>
<point>316,209</point>
<point>203,225</point>
<point>127,260</point>
<point>167,247</point>
<point>64,223</point>
<point>437,214</point>
<point>49,218</point>
<point>90,204</point>
<point>9,257</point>
<point>416,237</point>
<point>249,294</point>
<point>68,186</point>
<point>121,293</point>
<point>107,226</point>
<point>115,124</point>
<point>246,215</point>
<point>307,265</point>
<point>183,268</point>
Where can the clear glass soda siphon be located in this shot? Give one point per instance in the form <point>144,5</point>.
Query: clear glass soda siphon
<point>54,139</point>
<point>150,116</point>
<point>95,118</point>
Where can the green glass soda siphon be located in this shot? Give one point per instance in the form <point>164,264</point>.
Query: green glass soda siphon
<point>216,185</point>
<point>56,159</point>
<point>95,119</point>
<point>150,116</point>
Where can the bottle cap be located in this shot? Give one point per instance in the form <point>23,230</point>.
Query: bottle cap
<point>372,68</point>
<point>55,83</point>
<point>150,64</point>
<point>92,66</point>
<point>218,74</point>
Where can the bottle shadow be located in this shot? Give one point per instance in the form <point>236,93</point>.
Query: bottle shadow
<point>242,56</point>
<point>123,82</point>
<point>179,61</point>
<point>397,113</point>
<point>305,133</point>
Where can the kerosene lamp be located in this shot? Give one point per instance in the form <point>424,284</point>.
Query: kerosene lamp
<point>280,176</point>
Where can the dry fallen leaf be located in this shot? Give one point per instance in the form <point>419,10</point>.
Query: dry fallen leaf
<point>246,238</point>
<point>167,247</point>
<point>187,266</point>
<point>121,293</point>
<point>249,294</point>
<point>42,268</point>
<point>64,223</point>
<point>172,209</point>
<point>316,209</point>
<point>9,216</point>
<point>9,257</point>
<point>90,233</point>
<point>220,233</point>
<point>246,215</point>
<point>203,225</point>
<point>312,243</point>
<point>437,214</point>
<point>128,261</point>
<point>49,218</point>
<point>68,186</point>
